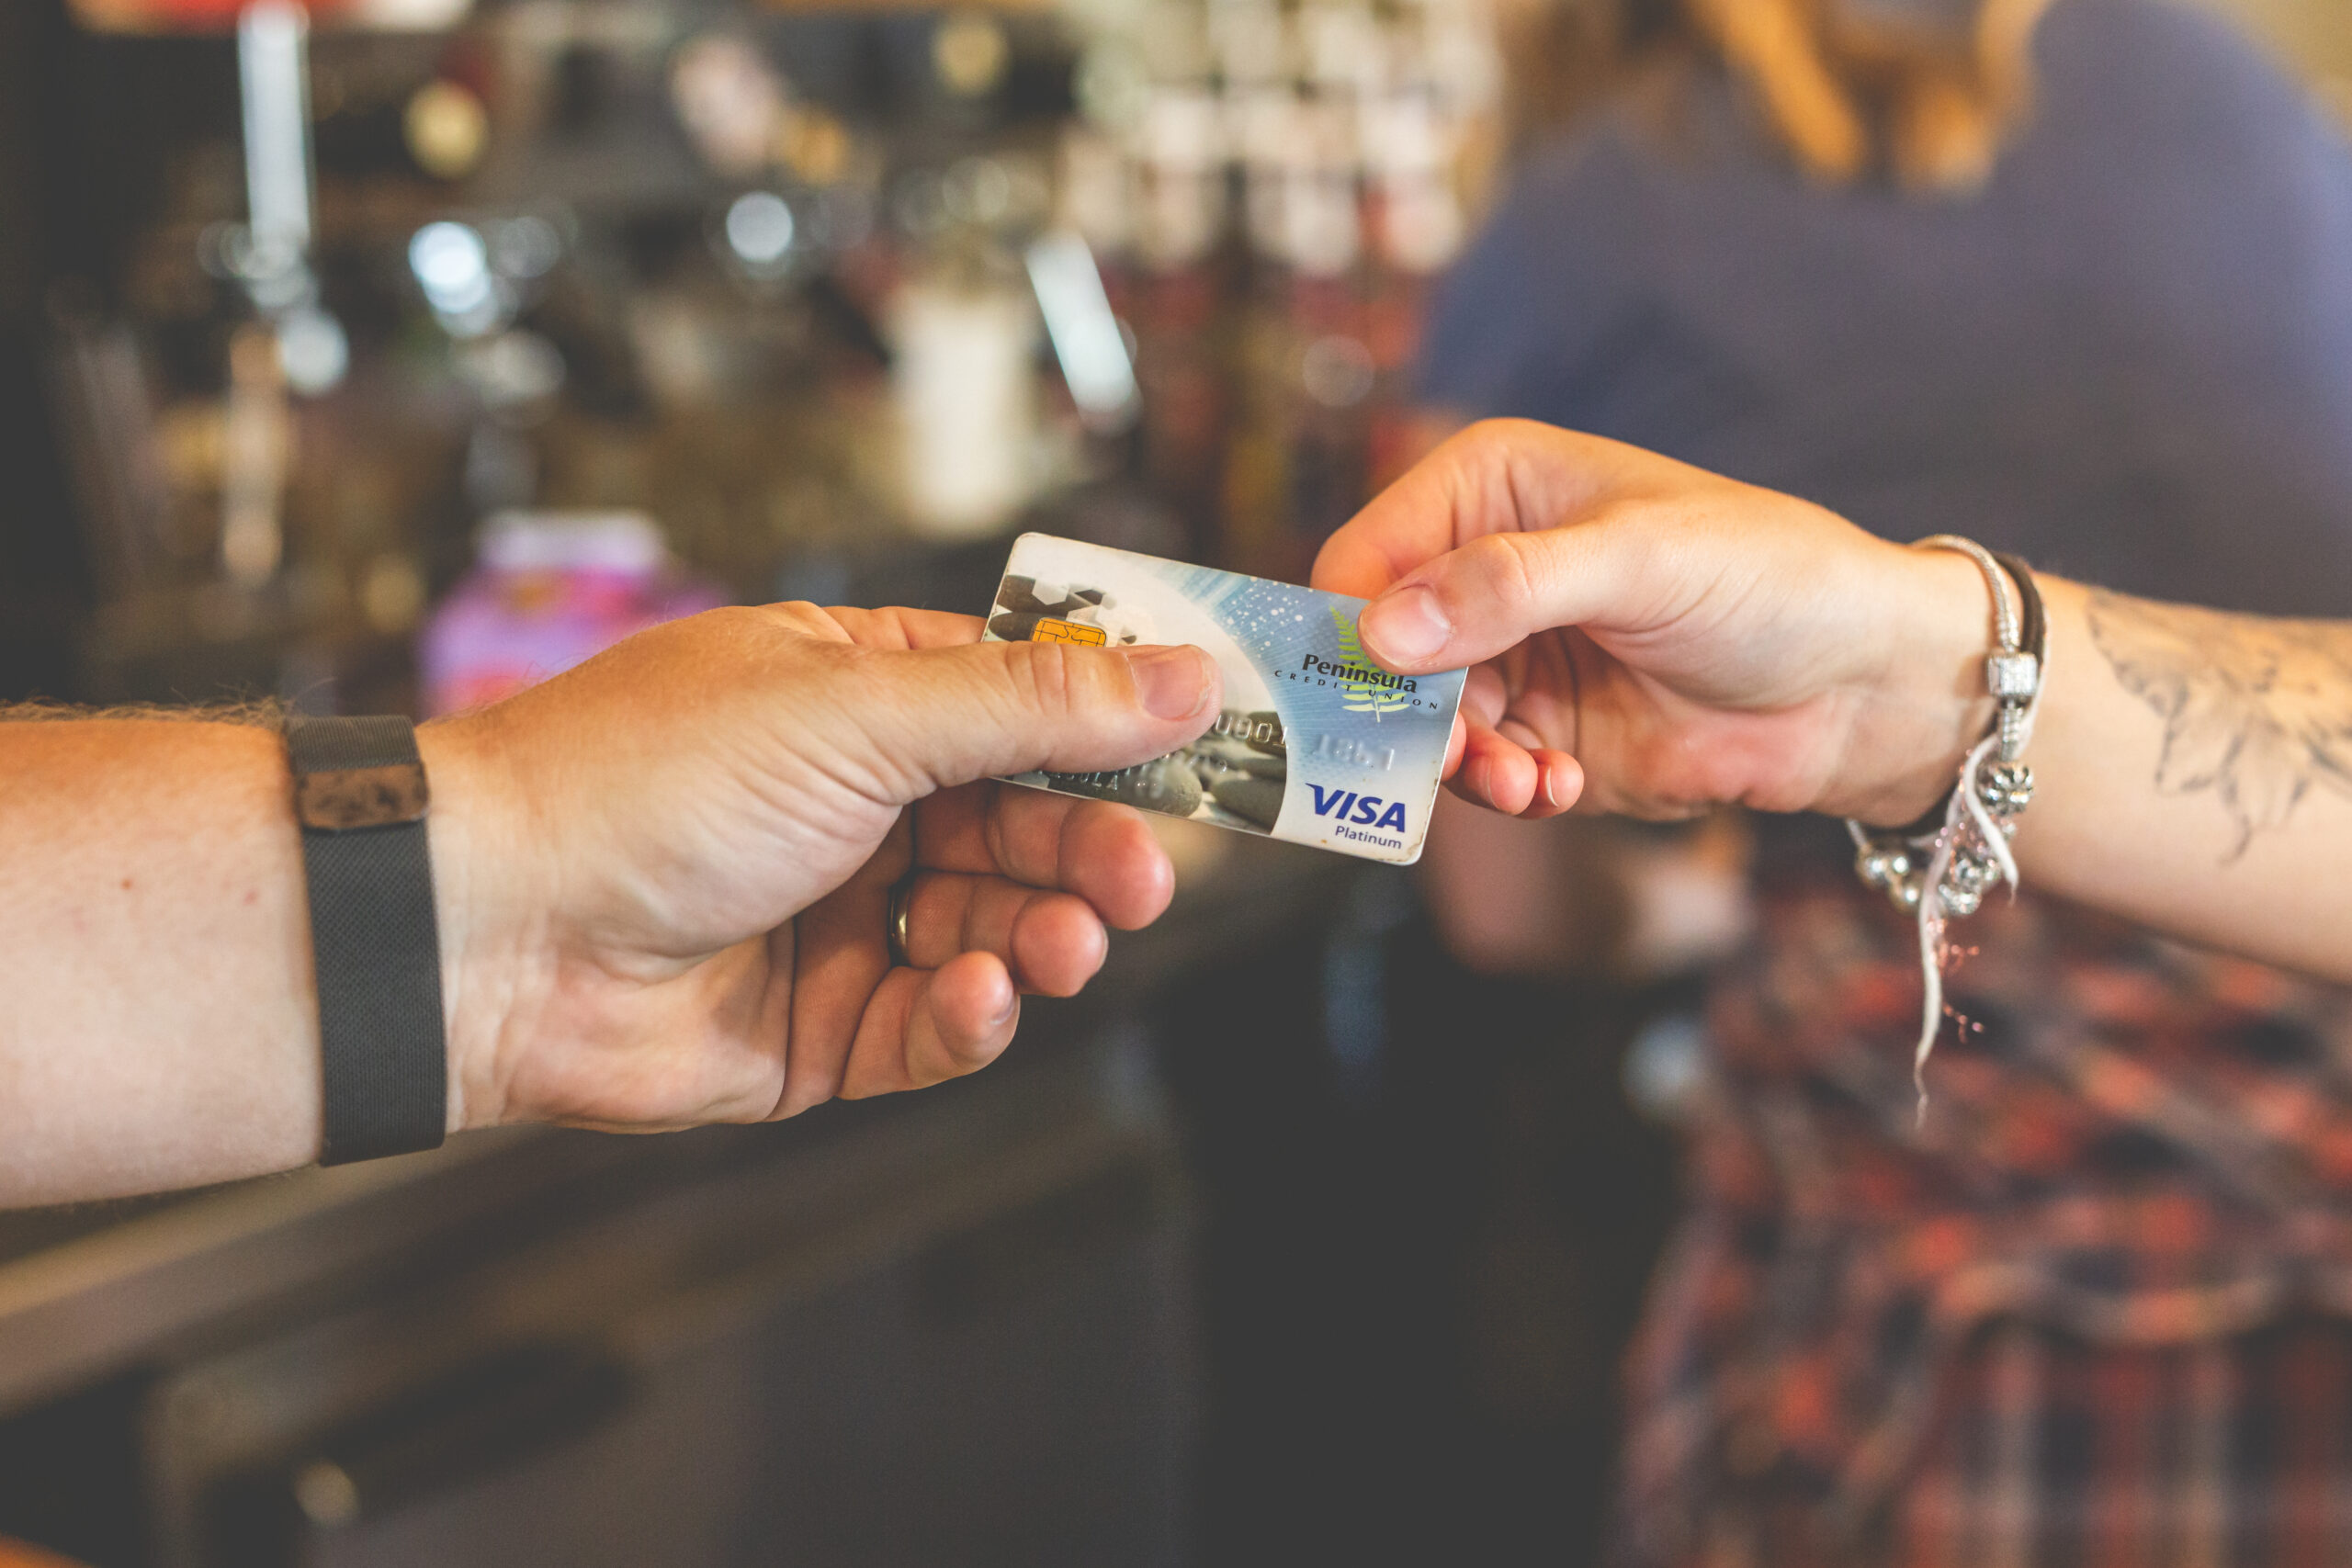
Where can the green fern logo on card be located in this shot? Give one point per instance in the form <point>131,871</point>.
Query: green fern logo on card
<point>1368,688</point>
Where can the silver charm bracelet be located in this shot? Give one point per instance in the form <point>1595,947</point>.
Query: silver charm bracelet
<point>1941,867</point>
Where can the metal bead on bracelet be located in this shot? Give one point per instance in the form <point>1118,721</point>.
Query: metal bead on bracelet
<point>1941,867</point>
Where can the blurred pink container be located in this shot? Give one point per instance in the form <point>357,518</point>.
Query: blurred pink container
<point>548,590</point>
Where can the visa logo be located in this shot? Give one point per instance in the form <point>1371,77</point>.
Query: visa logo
<point>1338,804</point>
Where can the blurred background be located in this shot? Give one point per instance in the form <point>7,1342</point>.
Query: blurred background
<point>387,357</point>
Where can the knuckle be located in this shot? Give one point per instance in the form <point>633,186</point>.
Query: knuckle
<point>1045,676</point>
<point>1495,447</point>
<point>730,625</point>
<point>798,618</point>
<point>1505,571</point>
<point>1492,433</point>
<point>995,836</point>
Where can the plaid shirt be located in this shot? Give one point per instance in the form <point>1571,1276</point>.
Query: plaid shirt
<point>2130,1196</point>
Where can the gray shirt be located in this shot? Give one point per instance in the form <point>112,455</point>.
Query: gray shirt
<point>2129,357</point>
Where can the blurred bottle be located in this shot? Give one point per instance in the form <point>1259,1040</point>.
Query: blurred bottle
<point>1176,301</point>
<point>256,448</point>
<point>1291,175</point>
<point>1415,217</point>
<point>964,378</point>
<point>1296,468</point>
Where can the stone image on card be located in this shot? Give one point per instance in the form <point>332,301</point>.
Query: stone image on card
<point>1315,744</point>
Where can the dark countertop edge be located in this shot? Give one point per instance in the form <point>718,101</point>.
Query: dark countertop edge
<point>95,1303</point>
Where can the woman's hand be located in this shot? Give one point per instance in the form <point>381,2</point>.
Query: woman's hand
<point>1652,639</point>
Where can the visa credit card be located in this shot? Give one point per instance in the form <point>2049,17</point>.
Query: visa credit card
<point>1316,744</point>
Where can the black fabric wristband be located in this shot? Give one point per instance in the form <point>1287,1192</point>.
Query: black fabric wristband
<point>360,796</point>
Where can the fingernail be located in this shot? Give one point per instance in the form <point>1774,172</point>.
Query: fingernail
<point>1409,624</point>
<point>1171,681</point>
<point>1551,784</point>
<point>1012,1005</point>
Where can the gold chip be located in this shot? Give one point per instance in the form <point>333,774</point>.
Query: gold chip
<point>1051,630</point>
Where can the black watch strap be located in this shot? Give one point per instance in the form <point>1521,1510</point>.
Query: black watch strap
<point>360,796</point>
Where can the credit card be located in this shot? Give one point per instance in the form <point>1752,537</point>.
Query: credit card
<point>1316,744</point>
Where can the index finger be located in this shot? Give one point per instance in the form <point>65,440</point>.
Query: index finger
<point>898,629</point>
<point>1101,852</point>
<point>1497,477</point>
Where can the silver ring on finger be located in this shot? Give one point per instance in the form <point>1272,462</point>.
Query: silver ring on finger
<point>901,896</point>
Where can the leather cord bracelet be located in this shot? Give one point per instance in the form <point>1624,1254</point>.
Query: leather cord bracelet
<point>360,796</point>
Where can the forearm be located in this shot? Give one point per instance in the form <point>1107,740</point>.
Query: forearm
<point>160,1028</point>
<point>667,886</point>
<point>2192,768</point>
<point>2184,777</point>
<point>160,1025</point>
<point>1652,639</point>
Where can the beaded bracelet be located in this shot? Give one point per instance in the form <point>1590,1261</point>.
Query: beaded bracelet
<point>1941,867</point>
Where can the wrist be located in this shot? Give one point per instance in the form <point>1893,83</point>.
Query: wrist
<point>481,889</point>
<point>1926,703</point>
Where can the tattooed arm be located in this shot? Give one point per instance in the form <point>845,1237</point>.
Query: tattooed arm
<point>1656,641</point>
<point>2196,775</point>
<point>2255,711</point>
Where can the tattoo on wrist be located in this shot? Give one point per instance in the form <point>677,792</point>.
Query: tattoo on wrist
<point>2256,709</point>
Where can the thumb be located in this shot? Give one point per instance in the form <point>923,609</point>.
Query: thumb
<point>953,715</point>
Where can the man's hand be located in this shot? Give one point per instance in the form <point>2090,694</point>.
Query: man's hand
<point>665,876</point>
<point>1652,639</point>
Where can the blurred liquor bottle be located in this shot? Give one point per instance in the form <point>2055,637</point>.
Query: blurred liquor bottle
<point>1178,289</point>
<point>1291,175</point>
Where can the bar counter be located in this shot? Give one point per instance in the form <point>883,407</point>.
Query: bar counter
<point>265,1327</point>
